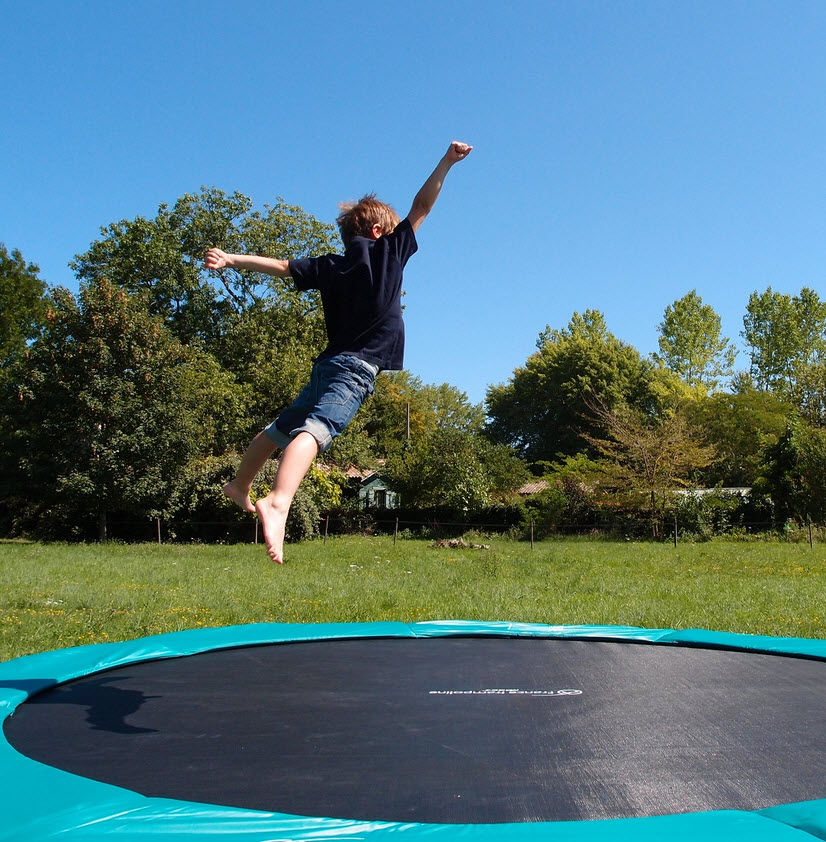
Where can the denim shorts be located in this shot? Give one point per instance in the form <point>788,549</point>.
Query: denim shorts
<point>338,386</point>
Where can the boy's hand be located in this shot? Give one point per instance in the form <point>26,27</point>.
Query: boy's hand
<point>216,259</point>
<point>457,151</point>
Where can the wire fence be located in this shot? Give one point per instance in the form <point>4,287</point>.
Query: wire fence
<point>384,523</point>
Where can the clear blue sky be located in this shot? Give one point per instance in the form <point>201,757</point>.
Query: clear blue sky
<point>626,152</point>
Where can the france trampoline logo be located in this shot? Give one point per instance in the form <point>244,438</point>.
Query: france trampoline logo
<point>505,691</point>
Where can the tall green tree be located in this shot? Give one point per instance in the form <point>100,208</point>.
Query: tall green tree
<point>795,474</point>
<point>649,456</point>
<point>22,305</point>
<point>403,407</point>
<point>809,393</point>
<point>740,426</point>
<point>106,411</point>
<point>258,327</point>
<point>430,437</point>
<point>162,258</point>
<point>785,335</point>
<point>456,469</point>
<point>691,343</point>
<point>542,411</point>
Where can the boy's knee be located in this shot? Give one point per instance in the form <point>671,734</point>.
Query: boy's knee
<point>307,442</point>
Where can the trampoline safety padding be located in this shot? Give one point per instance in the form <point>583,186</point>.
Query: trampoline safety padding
<point>441,730</point>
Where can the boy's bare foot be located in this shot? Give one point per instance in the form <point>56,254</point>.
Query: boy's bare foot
<point>239,496</point>
<point>273,521</point>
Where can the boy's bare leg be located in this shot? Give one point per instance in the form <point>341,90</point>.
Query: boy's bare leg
<point>274,508</point>
<point>238,489</point>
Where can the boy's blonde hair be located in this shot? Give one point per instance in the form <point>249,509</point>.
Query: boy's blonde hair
<point>358,218</point>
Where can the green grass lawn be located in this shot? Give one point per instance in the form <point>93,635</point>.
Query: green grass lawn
<point>57,595</point>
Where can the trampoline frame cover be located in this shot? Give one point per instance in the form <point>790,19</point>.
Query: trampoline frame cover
<point>41,802</point>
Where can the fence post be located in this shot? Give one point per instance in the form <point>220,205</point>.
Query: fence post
<point>675,529</point>
<point>396,531</point>
<point>811,541</point>
<point>158,521</point>
<point>256,530</point>
<point>531,533</point>
<point>326,527</point>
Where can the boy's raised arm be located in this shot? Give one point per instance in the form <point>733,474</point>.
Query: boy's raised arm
<point>218,259</point>
<point>429,191</point>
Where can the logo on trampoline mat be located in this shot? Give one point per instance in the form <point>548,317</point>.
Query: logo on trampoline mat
<point>505,691</point>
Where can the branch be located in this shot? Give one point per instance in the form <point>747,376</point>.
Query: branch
<point>240,301</point>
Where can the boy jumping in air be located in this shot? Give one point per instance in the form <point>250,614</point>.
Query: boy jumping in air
<point>361,297</point>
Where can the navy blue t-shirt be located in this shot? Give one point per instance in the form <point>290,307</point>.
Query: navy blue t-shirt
<point>361,295</point>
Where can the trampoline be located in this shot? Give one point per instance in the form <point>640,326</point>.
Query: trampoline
<point>443,730</point>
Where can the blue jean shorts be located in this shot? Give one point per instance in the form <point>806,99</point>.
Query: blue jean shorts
<point>338,386</point>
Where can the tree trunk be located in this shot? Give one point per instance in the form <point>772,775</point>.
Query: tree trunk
<point>102,531</point>
<point>655,532</point>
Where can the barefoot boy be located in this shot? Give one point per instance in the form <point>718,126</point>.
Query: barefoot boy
<point>361,296</point>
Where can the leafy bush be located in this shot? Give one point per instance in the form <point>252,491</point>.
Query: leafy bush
<point>708,515</point>
<point>304,518</point>
<point>705,515</point>
<point>795,474</point>
<point>201,511</point>
<point>545,511</point>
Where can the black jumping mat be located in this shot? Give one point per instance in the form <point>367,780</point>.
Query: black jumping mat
<point>446,730</point>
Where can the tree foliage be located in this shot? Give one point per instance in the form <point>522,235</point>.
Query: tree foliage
<point>161,258</point>
<point>809,393</point>
<point>648,456</point>
<point>691,344</point>
<point>403,408</point>
<point>454,469</point>
<point>258,327</point>
<point>430,437</point>
<point>795,474</point>
<point>740,426</point>
<point>108,408</point>
<point>567,498</point>
<point>543,409</point>
<point>135,396</point>
<point>786,337</point>
<point>22,305</point>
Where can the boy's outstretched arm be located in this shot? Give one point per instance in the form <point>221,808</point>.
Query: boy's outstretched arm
<point>429,192</point>
<point>218,259</point>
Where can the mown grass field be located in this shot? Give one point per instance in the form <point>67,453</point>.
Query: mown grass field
<point>57,595</point>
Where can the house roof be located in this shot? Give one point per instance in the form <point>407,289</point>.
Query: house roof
<point>533,487</point>
<point>353,472</point>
